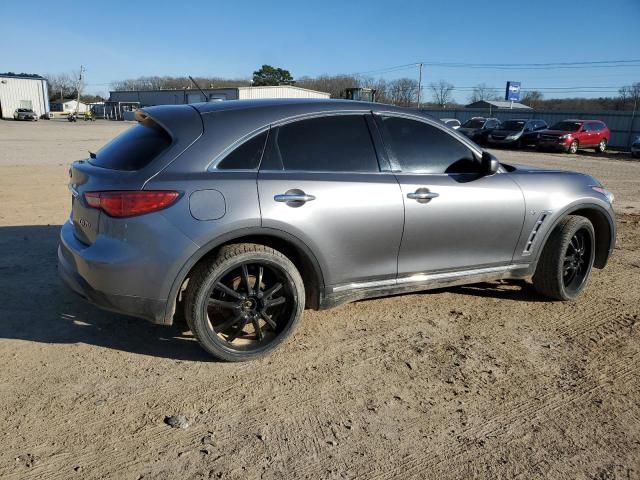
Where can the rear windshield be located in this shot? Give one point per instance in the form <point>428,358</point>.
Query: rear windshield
<point>567,126</point>
<point>474,123</point>
<point>134,149</point>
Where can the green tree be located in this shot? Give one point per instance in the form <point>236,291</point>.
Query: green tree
<point>269,75</point>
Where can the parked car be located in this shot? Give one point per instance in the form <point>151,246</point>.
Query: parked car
<point>25,114</point>
<point>635,148</point>
<point>451,122</point>
<point>245,213</point>
<point>516,133</point>
<point>478,128</point>
<point>571,135</point>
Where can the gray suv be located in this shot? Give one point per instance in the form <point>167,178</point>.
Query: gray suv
<point>242,214</point>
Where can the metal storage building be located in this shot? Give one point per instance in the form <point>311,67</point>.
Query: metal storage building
<point>67,106</point>
<point>190,95</point>
<point>23,91</point>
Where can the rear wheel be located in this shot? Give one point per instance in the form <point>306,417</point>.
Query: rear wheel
<point>245,303</point>
<point>573,148</point>
<point>566,260</point>
<point>602,146</point>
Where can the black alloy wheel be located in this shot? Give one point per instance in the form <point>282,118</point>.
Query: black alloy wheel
<point>244,302</point>
<point>249,305</point>
<point>566,260</point>
<point>576,264</point>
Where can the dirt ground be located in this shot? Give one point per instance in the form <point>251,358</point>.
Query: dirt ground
<point>486,381</point>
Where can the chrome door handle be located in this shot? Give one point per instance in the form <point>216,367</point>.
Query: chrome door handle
<point>422,195</point>
<point>294,197</point>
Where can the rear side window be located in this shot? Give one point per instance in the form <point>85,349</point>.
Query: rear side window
<point>417,147</point>
<point>337,143</point>
<point>134,149</point>
<point>246,156</point>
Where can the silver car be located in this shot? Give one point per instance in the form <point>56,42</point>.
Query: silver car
<point>244,213</point>
<point>25,114</point>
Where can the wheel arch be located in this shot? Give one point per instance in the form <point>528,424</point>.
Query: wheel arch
<point>292,247</point>
<point>603,226</point>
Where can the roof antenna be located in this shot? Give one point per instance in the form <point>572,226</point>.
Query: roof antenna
<point>206,99</point>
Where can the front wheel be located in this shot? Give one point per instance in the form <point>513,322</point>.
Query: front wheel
<point>573,148</point>
<point>602,146</point>
<point>566,260</point>
<point>244,303</point>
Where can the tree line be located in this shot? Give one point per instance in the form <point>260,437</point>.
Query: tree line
<point>402,91</point>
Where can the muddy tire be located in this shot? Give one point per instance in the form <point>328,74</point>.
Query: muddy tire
<point>245,302</point>
<point>567,258</point>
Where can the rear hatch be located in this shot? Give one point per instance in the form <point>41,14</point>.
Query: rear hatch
<point>129,161</point>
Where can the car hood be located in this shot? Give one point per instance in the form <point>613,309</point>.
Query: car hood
<point>528,169</point>
<point>468,131</point>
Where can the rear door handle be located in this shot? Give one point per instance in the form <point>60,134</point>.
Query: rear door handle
<point>294,197</point>
<point>420,194</point>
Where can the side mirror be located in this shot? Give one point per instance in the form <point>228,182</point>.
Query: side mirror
<point>490,164</point>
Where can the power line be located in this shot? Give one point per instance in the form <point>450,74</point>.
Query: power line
<point>511,66</point>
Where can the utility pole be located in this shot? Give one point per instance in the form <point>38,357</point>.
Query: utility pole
<point>419,84</point>
<point>78,88</point>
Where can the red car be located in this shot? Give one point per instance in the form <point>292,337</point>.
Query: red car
<point>570,135</point>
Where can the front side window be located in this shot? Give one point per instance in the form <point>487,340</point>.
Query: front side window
<point>417,147</point>
<point>246,156</point>
<point>337,143</point>
<point>567,126</point>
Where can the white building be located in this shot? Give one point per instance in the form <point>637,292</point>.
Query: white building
<point>68,106</point>
<point>23,91</point>
<point>147,98</point>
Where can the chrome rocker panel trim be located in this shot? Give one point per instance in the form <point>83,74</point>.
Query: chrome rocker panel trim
<point>418,282</point>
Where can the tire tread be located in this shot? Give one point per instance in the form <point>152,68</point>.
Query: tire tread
<point>547,278</point>
<point>208,268</point>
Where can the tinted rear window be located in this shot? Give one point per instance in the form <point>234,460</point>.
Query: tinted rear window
<point>134,149</point>
<point>246,156</point>
<point>339,143</point>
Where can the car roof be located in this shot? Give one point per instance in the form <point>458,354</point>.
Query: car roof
<point>285,104</point>
<point>277,109</point>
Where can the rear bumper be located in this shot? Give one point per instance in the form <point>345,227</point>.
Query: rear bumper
<point>82,274</point>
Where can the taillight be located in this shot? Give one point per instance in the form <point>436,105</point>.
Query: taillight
<point>130,203</point>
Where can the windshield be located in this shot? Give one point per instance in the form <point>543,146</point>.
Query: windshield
<point>513,125</point>
<point>567,126</point>
<point>474,123</point>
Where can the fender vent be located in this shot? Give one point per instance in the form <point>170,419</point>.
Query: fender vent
<point>534,233</point>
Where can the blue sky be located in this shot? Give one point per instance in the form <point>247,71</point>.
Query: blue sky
<point>117,39</point>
